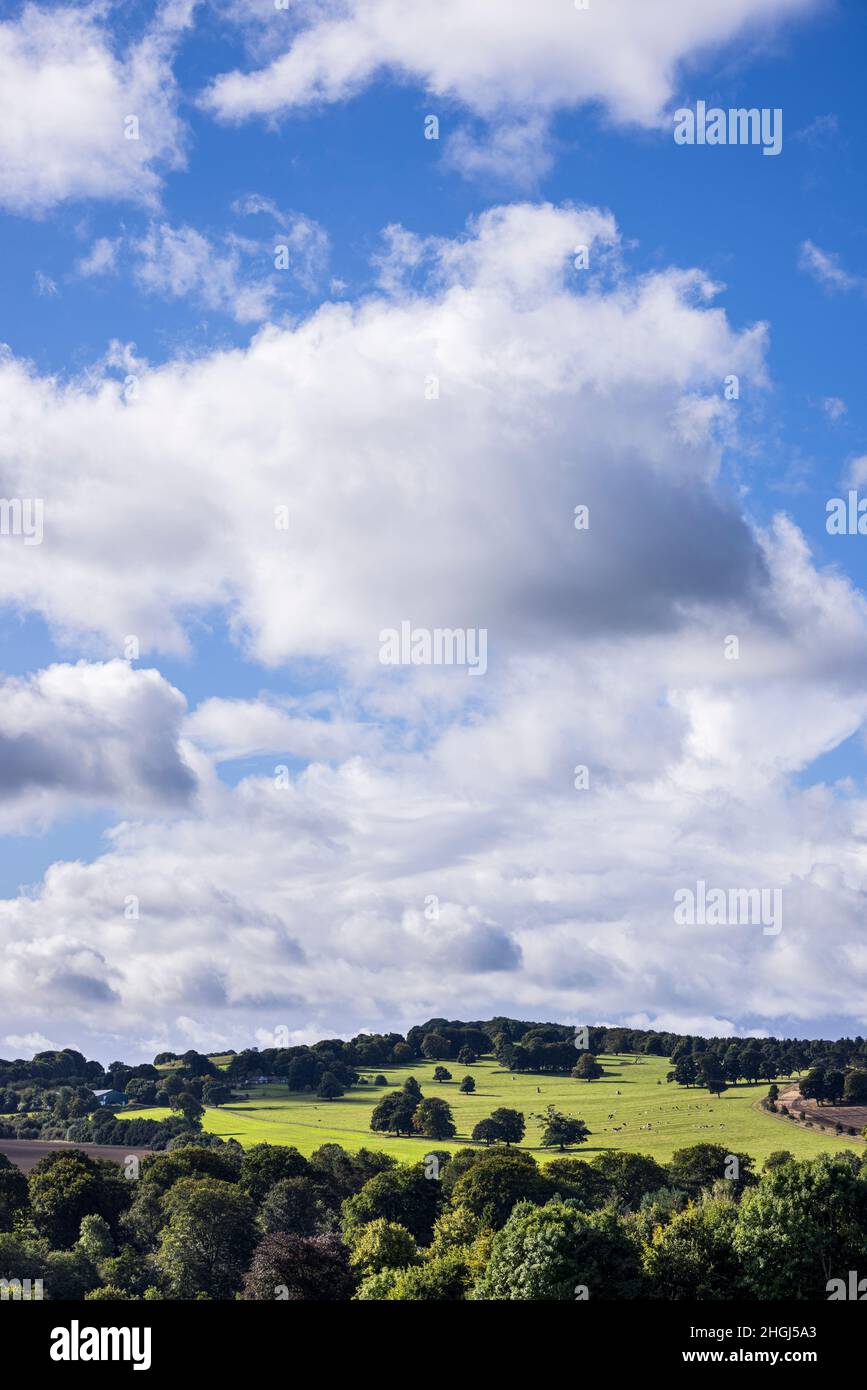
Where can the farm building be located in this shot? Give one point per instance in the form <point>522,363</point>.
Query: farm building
<point>111,1097</point>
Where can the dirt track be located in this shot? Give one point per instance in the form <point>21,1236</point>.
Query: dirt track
<point>26,1153</point>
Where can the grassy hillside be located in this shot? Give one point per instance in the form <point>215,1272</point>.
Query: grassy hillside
<point>678,1116</point>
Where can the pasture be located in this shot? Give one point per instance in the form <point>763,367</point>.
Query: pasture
<point>633,1092</point>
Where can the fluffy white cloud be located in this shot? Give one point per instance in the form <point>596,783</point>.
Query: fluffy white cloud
<point>90,733</point>
<point>66,96</point>
<point>307,902</point>
<point>495,56</point>
<point>556,387</point>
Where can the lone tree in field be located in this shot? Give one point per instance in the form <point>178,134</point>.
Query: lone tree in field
<point>587,1068</point>
<point>511,1123</point>
<point>466,1057</point>
<point>468,1085</point>
<point>442,1074</point>
<point>329,1087</point>
<point>433,1118</point>
<point>561,1131</point>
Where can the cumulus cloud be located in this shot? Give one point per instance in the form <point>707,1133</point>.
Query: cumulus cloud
<point>429,851</point>
<point>286,458</point>
<point>99,733</point>
<point>492,57</point>
<point>78,117</point>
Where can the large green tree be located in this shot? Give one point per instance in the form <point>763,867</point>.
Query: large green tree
<point>805,1223</point>
<point>692,1256</point>
<point>434,1119</point>
<point>209,1240</point>
<point>556,1252</point>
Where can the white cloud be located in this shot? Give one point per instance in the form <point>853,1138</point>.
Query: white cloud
<point>145,525</point>
<point>493,57</point>
<point>856,474</point>
<point>99,733</point>
<point>101,259</point>
<point>834,407</point>
<point>181,263</point>
<point>518,152</point>
<point>228,273</point>
<point>31,1043</point>
<point>303,905</point>
<point>45,286</point>
<point>65,98</point>
<point>825,267</point>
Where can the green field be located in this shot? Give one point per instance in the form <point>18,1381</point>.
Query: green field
<point>679,1116</point>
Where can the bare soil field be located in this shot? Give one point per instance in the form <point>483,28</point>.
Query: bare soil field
<point>849,1116</point>
<point>26,1153</point>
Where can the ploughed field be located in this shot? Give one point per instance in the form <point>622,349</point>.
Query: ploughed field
<point>677,1116</point>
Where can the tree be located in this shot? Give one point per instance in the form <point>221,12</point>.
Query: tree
<point>291,1206</point>
<point>511,1124</point>
<point>380,1080</point>
<point>496,1182</point>
<point>209,1239</point>
<point>813,1085</point>
<point>443,1278</point>
<point>466,1057</point>
<point>442,1074</point>
<point>142,1090</point>
<point>835,1085</point>
<point>381,1245</point>
<point>855,1088</point>
<point>95,1239</point>
<point>561,1131</point>
<point>14,1194</point>
<point>777,1159</point>
<point>264,1165</point>
<point>329,1087</point>
<point>630,1177</point>
<point>692,1256</point>
<point>216,1093</point>
<point>699,1166</point>
<point>802,1225</point>
<point>434,1119</point>
<point>394,1113</point>
<point>404,1195</point>
<point>300,1269</point>
<point>587,1068</point>
<point>486,1132</point>
<point>187,1105</point>
<point>436,1047</point>
<point>468,1085</point>
<point>547,1252</point>
<point>69,1185</point>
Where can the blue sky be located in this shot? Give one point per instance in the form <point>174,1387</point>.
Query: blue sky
<point>785,239</point>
